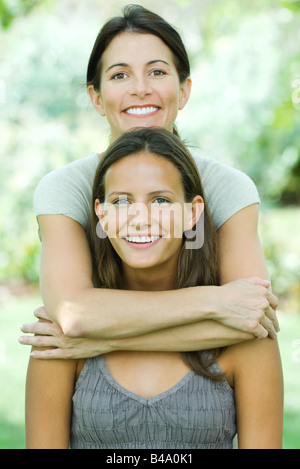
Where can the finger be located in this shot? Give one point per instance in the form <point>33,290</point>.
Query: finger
<point>44,328</point>
<point>259,281</point>
<point>41,313</point>
<point>270,313</point>
<point>260,332</point>
<point>254,326</point>
<point>268,325</point>
<point>55,353</point>
<point>272,299</point>
<point>38,341</point>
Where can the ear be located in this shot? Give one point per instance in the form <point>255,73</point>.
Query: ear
<point>96,100</point>
<point>100,213</point>
<point>185,91</point>
<point>195,212</point>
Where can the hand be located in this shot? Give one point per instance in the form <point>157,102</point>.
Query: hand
<point>54,344</point>
<point>249,305</point>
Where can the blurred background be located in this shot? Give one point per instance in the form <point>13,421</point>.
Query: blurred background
<point>244,111</point>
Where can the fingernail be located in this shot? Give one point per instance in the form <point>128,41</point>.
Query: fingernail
<point>33,354</point>
<point>21,340</point>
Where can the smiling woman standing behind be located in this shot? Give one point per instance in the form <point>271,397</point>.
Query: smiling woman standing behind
<point>139,76</point>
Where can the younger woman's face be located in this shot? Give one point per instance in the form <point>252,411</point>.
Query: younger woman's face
<point>145,212</point>
<point>140,85</point>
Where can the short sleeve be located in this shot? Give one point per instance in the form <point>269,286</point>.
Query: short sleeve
<point>226,189</point>
<point>67,191</point>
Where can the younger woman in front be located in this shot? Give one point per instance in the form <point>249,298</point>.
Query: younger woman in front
<point>147,202</point>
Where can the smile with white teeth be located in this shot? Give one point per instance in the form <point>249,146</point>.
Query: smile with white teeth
<point>139,111</point>
<point>141,239</point>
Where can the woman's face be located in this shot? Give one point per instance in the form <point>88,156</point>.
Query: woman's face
<point>145,214</point>
<point>139,84</point>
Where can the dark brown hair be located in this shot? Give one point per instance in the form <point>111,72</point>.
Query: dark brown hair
<point>195,266</point>
<point>137,19</point>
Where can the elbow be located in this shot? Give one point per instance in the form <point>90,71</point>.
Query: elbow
<point>76,324</point>
<point>71,320</point>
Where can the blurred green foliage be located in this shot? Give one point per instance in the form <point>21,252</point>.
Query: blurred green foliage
<point>9,10</point>
<point>244,109</point>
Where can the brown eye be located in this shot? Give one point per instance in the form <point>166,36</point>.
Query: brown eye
<point>118,76</point>
<point>158,73</point>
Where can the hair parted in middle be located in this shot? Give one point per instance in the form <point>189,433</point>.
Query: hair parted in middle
<point>137,19</point>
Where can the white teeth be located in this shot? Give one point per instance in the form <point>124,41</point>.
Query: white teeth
<point>139,111</point>
<point>142,239</point>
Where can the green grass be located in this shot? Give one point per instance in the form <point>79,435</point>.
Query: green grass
<point>14,359</point>
<point>13,364</point>
<point>289,341</point>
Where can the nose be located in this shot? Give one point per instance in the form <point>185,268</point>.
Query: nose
<point>138,216</point>
<point>140,87</point>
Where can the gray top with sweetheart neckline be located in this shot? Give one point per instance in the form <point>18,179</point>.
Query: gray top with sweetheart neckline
<point>196,413</point>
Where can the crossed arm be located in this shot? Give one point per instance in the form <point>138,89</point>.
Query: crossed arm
<point>188,319</point>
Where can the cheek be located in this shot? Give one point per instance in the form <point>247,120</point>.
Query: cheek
<point>171,221</point>
<point>108,99</point>
<point>122,222</point>
<point>114,222</point>
<point>172,94</point>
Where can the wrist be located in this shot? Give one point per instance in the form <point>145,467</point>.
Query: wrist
<point>208,305</point>
<point>218,304</point>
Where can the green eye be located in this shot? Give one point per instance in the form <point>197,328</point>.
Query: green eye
<point>121,201</point>
<point>161,200</point>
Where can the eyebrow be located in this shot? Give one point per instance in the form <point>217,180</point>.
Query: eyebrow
<point>150,193</point>
<point>123,64</point>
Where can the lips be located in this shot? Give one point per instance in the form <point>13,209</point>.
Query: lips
<point>141,242</point>
<point>142,239</point>
<point>138,111</point>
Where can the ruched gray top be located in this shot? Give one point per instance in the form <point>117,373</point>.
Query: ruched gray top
<point>195,413</point>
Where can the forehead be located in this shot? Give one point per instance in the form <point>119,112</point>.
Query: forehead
<point>143,170</point>
<point>129,47</point>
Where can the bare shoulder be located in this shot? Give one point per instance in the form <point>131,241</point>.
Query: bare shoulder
<point>255,359</point>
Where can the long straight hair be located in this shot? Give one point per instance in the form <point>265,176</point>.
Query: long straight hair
<point>197,266</point>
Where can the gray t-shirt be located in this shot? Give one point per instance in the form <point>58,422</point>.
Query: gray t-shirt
<point>68,190</point>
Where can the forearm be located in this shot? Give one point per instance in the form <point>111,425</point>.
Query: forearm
<point>196,336</point>
<point>117,314</point>
<point>236,321</point>
<point>202,335</point>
